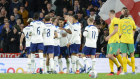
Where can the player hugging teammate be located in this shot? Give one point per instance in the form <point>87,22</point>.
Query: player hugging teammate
<point>56,39</point>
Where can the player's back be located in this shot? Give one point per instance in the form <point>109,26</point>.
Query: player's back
<point>92,36</point>
<point>27,32</point>
<point>48,34</point>
<point>127,25</point>
<point>38,27</point>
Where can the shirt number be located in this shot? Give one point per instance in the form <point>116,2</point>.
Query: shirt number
<point>48,32</point>
<point>93,34</point>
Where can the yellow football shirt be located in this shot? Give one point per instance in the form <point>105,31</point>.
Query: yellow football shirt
<point>115,37</point>
<point>127,26</point>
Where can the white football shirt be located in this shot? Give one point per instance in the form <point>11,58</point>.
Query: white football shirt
<point>91,34</point>
<point>27,32</point>
<point>76,33</point>
<point>37,34</point>
<point>48,34</point>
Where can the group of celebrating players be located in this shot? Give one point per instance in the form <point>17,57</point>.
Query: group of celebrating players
<point>55,39</point>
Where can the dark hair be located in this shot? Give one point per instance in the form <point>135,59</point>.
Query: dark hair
<point>92,10</point>
<point>47,18</point>
<point>36,16</point>
<point>126,12</point>
<point>53,19</point>
<point>124,8</point>
<point>75,17</point>
<point>61,18</point>
<point>112,11</point>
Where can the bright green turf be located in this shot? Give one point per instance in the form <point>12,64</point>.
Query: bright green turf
<point>65,76</point>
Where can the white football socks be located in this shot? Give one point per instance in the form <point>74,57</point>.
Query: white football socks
<point>93,63</point>
<point>55,62</point>
<point>28,65</point>
<point>32,63</point>
<point>60,64</point>
<point>68,64</point>
<point>86,62</point>
<point>73,63</point>
<point>44,65</point>
<point>41,59</point>
<point>51,62</point>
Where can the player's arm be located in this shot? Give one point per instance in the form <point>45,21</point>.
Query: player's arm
<point>21,40</point>
<point>134,27</point>
<point>114,32</point>
<point>85,32</point>
<point>55,34</point>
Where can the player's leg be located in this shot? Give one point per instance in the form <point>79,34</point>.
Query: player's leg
<point>62,50</point>
<point>131,50</point>
<point>28,60</point>
<point>56,54</point>
<point>124,50</point>
<point>68,59</point>
<point>33,50</point>
<point>78,62</point>
<point>44,62</point>
<point>86,51</point>
<point>111,51</point>
<point>50,51</point>
<point>40,48</point>
<point>92,53</point>
<point>111,65</point>
<point>119,57</point>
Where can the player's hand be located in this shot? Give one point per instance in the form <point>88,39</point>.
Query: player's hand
<point>68,45</point>
<point>21,47</point>
<point>107,38</point>
<point>64,35</point>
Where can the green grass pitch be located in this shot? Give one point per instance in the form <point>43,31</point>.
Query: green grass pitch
<point>65,76</point>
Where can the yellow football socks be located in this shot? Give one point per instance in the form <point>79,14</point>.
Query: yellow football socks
<point>116,62</point>
<point>111,64</point>
<point>119,57</point>
<point>133,63</point>
<point>129,62</point>
<point>124,64</point>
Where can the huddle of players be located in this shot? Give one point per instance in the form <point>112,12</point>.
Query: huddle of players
<point>121,40</point>
<point>54,40</point>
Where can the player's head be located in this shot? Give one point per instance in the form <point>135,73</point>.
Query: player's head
<point>112,13</point>
<point>36,16</point>
<point>61,22</point>
<point>123,9</point>
<point>54,20</point>
<point>47,18</point>
<point>29,20</point>
<point>126,13</point>
<point>75,18</point>
<point>90,21</point>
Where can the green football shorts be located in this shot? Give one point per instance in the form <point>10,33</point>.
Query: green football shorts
<point>112,48</point>
<point>127,48</point>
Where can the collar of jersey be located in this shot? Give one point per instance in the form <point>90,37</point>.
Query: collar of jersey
<point>90,25</point>
<point>47,23</point>
<point>76,23</point>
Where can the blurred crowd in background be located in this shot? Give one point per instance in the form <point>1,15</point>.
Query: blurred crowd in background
<point>15,13</point>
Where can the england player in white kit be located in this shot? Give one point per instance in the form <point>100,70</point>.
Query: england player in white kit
<point>64,53</point>
<point>37,39</point>
<point>27,31</point>
<point>49,34</point>
<point>56,43</point>
<point>75,42</point>
<point>91,34</point>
